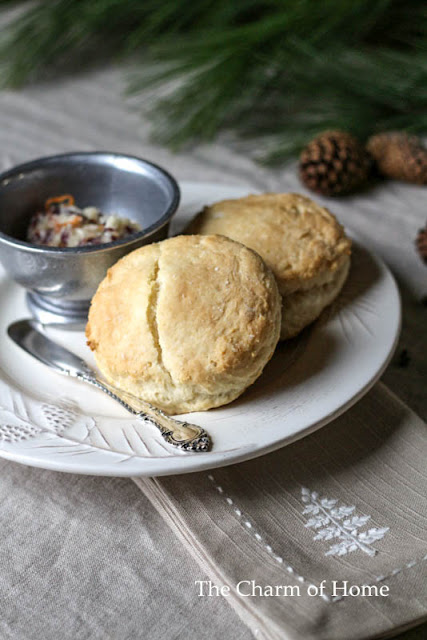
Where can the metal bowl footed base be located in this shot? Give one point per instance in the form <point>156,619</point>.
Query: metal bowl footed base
<point>69,315</point>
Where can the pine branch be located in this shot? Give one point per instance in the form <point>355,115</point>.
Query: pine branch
<point>272,71</point>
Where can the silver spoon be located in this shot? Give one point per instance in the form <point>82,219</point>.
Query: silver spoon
<point>27,335</point>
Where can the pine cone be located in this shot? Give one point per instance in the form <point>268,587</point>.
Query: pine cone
<point>334,163</point>
<point>421,243</point>
<point>399,156</point>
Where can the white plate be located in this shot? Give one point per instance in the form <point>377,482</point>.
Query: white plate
<point>50,421</point>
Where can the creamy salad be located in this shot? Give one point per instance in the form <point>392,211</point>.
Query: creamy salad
<point>63,224</point>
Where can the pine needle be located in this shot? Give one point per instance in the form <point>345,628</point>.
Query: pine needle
<point>272,71</point>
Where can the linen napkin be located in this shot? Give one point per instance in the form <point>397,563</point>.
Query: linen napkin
<point>324,539</point>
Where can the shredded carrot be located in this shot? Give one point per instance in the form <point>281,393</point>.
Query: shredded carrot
<point>66,199</point>
<point>75,221</point>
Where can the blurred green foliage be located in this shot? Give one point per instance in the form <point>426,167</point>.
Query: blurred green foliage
<point>274,71</point>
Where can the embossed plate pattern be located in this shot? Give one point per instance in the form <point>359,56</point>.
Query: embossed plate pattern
<point>58,423</point>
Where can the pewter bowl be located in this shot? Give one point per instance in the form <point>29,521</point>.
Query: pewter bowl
<point>61,282</point>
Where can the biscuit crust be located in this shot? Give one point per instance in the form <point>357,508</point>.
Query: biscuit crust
<point>301,242</point>
<point>301,308</point>
<point>186,324</point>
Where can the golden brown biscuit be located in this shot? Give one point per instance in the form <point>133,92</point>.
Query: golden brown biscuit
<point>186,324</point>
<point>301,242</point>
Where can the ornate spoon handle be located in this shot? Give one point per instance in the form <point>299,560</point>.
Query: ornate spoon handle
<point>186,436</point>
<point>28,335</point>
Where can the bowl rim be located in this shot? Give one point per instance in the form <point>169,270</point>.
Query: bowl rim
<point>156,226</point>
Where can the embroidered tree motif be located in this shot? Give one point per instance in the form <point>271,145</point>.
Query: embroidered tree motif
<point>340,523</point>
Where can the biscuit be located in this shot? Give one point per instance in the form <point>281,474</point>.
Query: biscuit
<point>301,242</point>
<point>186,324</point>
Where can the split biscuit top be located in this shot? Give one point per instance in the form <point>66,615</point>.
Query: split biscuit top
<point>301,242</point>
<point>186,324</point>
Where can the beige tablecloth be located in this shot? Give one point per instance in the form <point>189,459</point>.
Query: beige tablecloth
<point>92,558</point>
